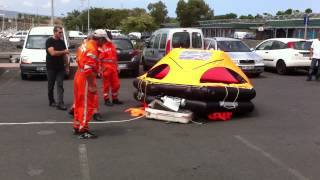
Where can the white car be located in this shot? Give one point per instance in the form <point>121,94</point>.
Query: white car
<point>76,35</point>
<point>285,54</point>
<point>33,54</point>
<point>239,52</point>
<point>18,36</point>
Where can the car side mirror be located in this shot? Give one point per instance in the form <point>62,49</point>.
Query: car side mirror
<point>19,46</point>
<point>72,46</point>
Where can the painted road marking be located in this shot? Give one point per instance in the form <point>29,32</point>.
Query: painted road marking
<point>84,165</point>
<point>276,161</point>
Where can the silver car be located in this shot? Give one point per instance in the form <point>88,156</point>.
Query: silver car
<point>250,63</point>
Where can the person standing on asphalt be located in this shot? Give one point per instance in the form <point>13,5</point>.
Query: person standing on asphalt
<point>109,70</point>
<point>315,59</point>
<point>85,88</point>
<point>57,65</point>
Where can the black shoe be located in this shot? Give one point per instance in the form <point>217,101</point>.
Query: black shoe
<point>97,117</point>
<point>53,104</point>
<point>71,112</point>
<point>117,101</point>
<point>76,131</point>
<point>87,135</point>
<point>62,107</point>
<point>108,103</point>
<point>308,79</point>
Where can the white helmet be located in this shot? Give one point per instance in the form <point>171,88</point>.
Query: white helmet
<point>100,33</point>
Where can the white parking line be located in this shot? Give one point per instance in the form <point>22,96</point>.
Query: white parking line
<point>84,165</point>
<point>276,161</point>
<point>54,122</point>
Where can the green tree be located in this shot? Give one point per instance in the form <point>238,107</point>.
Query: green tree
<point>288,12</point>
<point>72,20</point>
<point>141,23</point>
<point>188,13</point>
<point>158,11</point>
<point>308,11</point>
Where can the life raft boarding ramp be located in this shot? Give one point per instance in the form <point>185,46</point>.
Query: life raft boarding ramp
<point>160,111</point>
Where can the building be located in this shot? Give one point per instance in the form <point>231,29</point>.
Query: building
<point>277,27</point>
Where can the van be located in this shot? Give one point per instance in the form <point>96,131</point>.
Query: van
<point>33,54</point>
<point>76,35</point>
<point>163,40</point>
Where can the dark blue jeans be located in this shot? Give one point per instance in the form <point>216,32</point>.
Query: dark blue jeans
<point>314,68</point>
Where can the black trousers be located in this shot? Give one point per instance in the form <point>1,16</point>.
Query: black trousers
<point>55,76</point>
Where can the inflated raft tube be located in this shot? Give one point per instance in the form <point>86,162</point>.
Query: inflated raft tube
<point>207,106</point>
<point>196,92</point>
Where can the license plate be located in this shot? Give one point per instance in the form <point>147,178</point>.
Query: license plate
<point>247,67</point>
<point>41,68</point>
<point>122,66</point>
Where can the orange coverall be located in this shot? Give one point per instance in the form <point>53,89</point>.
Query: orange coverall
<point>109,68</point>
<point>85,101</point>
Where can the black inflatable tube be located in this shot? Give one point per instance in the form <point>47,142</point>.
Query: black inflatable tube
<point>206,106</point>
<point>197,93</point>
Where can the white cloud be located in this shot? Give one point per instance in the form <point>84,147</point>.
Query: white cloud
<point>48,5</point>
<point>27,3</point>
<point>65,1</point>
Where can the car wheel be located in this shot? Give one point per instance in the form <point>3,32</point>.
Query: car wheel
<point>144,65</point>
<point>135,73</point>
<point>281,67</point>
<point>24,76</point>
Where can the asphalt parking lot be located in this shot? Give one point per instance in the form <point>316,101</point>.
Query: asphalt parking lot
<point>280,140</point>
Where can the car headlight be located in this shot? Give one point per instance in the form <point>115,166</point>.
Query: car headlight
<point>25,60</point>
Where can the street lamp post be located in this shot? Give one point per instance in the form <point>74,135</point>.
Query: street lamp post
<point>2,29</point>
<point>52,13</point>
<point>88,16</point>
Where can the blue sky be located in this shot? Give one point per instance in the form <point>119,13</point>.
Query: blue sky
<point>240,7</point>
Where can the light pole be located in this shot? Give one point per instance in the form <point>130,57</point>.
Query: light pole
<point>88,16</point>
<point>52,13</point>
<point>306,22</point>
<point>2,22</point>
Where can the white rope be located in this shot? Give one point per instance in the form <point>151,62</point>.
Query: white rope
<point>43,123</point>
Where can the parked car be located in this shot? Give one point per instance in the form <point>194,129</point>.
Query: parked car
<point>33,54</point>
<point>76,35</point>
<point>285,54</point>
<point>163,40</point>
<point>239,52</point>
<point>18,36</point>
<point>128,57</point>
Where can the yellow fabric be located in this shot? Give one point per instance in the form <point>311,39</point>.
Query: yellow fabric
<point>189,72</point>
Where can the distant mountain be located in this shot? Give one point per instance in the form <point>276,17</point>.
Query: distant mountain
<point>13,14</point>
<point>10,14</point>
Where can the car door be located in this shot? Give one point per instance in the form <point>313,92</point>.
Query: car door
<point>148,51</point>
<point>264,50</point>
<point>156,45</point>
<point>277,51</point>
<point>162,47</point>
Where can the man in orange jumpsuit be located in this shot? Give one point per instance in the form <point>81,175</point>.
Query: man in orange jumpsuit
<point>109,70</point>
<point>85,88</point>
<point>96,116</point>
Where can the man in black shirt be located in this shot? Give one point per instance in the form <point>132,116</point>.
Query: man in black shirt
<point>56,62</point>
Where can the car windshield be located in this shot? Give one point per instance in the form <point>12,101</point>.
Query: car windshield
<point>232,46</point>
<point>122,44</point>
<point>37,42</point>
